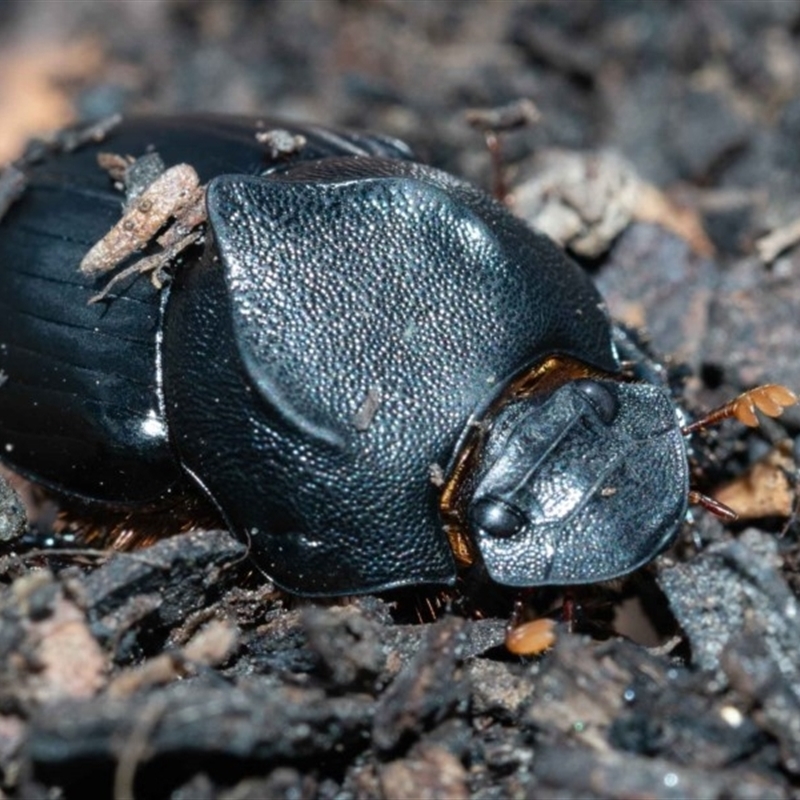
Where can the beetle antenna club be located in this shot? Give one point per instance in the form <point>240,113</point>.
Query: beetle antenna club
<point>770,399</point>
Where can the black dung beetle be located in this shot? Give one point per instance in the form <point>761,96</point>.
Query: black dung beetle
<point>352,326</point>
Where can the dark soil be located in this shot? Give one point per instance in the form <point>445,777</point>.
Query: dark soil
<point>177,672</point>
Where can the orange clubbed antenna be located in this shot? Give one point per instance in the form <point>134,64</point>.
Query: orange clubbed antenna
<point>769,399</point>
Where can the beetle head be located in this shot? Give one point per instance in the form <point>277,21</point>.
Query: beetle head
<point>582,485</point>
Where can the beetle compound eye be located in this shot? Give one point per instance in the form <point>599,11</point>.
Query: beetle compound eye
<point>496,518</point>
<point>603,400</point>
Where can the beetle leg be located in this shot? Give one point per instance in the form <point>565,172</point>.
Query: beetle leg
<point>569,609</point>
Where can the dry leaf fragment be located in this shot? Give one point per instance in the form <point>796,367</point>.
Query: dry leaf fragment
<point>765,490</point>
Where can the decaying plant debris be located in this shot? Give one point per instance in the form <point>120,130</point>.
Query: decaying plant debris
<point>178,671</point>
<point>162,660</point>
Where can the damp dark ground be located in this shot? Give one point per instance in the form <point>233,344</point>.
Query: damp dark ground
<point>668,147</point>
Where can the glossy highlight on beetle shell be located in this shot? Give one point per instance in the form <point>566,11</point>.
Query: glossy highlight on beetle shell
<point>347,322</point>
